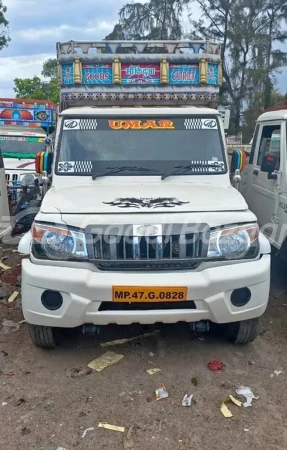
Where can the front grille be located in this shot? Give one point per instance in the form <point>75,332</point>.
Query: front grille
<point>175,250</point>
<point>118,306</point>
<point>11,178</point>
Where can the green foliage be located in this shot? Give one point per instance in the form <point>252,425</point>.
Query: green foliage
<point>50,68</point>
<point>4,35</point>
<point>36,88</point>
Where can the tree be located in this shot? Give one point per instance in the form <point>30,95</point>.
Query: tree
<point>276,12</point>
<point>37,88</point>
<point>156,19</point>
<point>4,36</point>
<point>248,30</point>
<point>253,111</point>
<point>50,69</point>
<point>117,34</point>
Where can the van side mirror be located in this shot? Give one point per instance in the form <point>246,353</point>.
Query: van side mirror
<point>269,163</point>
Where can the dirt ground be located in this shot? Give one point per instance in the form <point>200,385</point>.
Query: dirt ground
<point>43,407</point>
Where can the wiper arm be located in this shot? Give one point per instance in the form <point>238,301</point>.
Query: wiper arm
<point>201,166</point>
<point>113,170</point>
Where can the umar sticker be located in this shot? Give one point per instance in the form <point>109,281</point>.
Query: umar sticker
<point>141,124</point>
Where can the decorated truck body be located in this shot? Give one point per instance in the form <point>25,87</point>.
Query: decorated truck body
<point>24,127</point>
<point>140,223</point>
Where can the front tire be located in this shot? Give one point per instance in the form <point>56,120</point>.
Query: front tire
<point>242,332</point>
<point>43,337</point>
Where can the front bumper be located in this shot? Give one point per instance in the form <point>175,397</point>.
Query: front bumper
<point>83,291</point>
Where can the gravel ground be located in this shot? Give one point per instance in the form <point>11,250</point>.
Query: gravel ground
<point>42,406</point>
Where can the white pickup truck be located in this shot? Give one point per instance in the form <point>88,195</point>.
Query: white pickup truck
<point>264,179</point>
<point>141,223</point>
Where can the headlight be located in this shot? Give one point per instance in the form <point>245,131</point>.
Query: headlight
<point>234,243</point>
<point>55,242</point>
<point>27,179</point>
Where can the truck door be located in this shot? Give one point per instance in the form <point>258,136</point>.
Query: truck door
<point>4,209</point>
<point>261,192</point>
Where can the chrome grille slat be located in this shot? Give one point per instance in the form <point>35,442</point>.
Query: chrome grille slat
<point>101,246</point>
<point>136,248</point>
<point>124,248</point>
<point>170,247</point>
<point>182,246</point>
<point>158,249</point>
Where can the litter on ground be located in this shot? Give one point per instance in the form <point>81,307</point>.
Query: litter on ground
<point>194,381</point>
<point>215,366</point>
<point>4,267</point>
<point>124,341</point>
<point>13,297</point>
<point>153,371</point>
<point>226,411</point>
<point>277,373</point>
<point>248,394</point>
<point>78,373</point>
<point>161,393</point>
<point>9,325</point>
<point>224,408</point>
<point>86,431</point>
<point>106,360</point>
<point>187,400</point>
<point>107,426</point>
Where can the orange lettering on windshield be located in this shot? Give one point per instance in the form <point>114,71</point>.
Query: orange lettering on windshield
<point>141,125</point>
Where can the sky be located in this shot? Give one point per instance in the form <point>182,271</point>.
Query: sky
<point>36,26</point>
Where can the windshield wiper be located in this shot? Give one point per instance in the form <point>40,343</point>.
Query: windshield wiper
<point>113,170</point>
<point>199,167</point>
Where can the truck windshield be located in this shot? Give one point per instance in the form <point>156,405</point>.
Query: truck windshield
<point>90,145</point>
<point>21,146</point>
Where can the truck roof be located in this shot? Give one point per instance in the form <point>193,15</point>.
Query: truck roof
<point>273,115</point>
<point>139,73</point>
<point>29,113</point>
<point>84,110</point>
<point>21,131</point>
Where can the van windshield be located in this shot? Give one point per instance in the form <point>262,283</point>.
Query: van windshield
<point>21,146</point>
<point>90,144</point>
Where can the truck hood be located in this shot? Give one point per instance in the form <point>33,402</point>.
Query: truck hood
<point>19,164</point>
<point>142,197</point>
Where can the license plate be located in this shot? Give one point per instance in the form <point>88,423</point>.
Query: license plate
<point>149,294</point>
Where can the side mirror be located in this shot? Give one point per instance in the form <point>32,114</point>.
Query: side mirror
<point>269,163</point>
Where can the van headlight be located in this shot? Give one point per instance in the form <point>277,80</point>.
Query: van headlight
<point>27,179</point>
<point>235,242</point>
<point>56,242</point>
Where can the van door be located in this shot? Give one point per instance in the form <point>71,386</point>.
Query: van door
<point>261,192</point>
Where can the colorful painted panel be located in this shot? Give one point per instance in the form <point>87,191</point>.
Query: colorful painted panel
<point>97,74</point>
<point>140,73</point>
<point>27,117</point>
<point>183,74</point>
<point>26,104</point>
<point>67,74</point>
<point>212,74</point>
